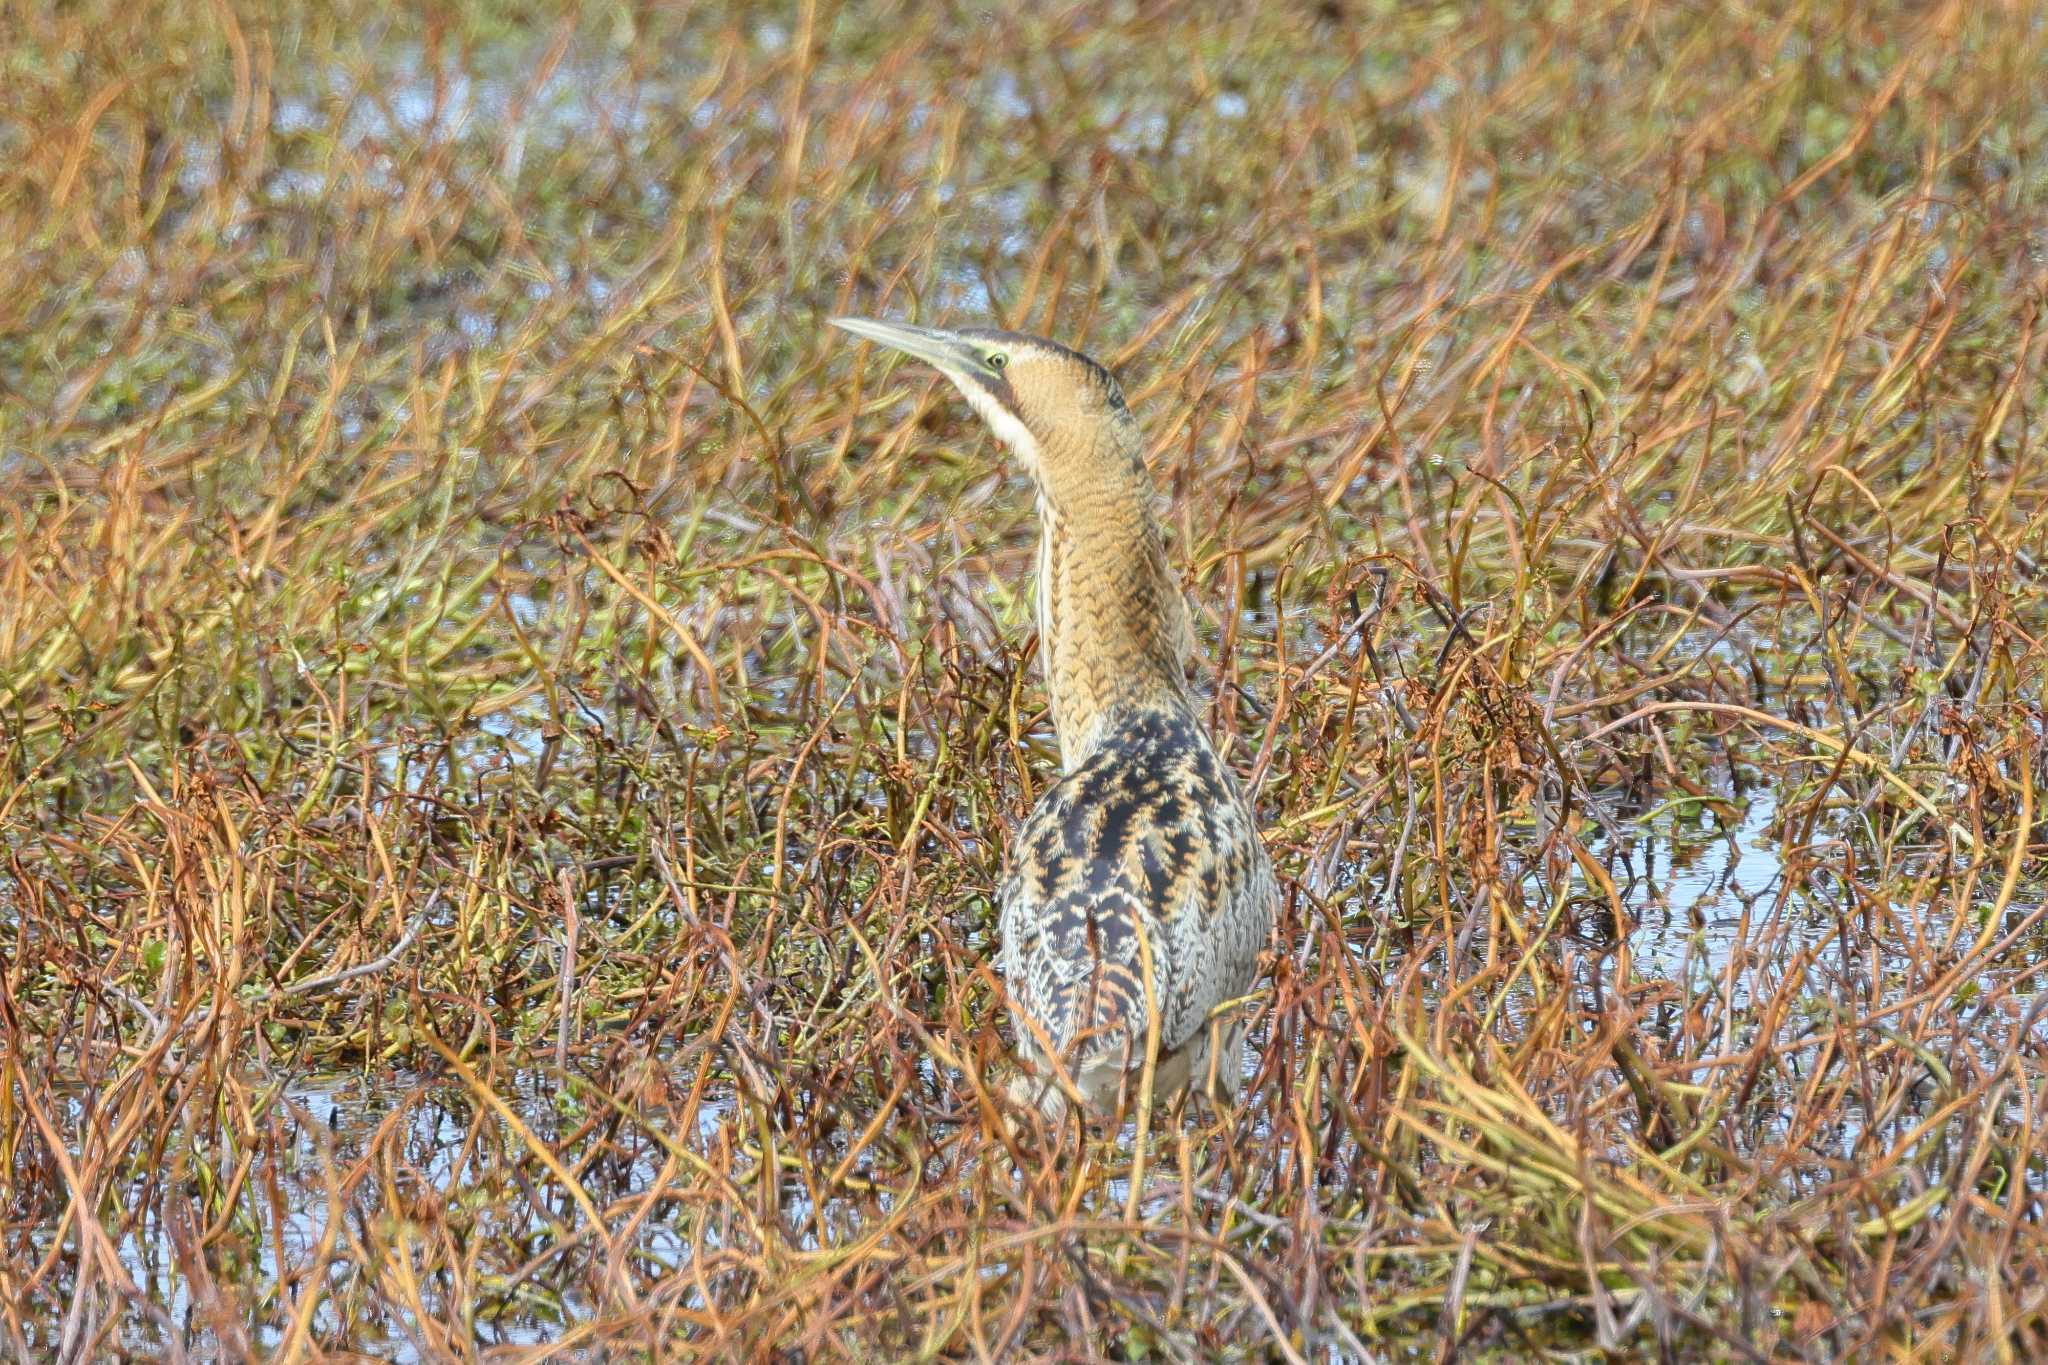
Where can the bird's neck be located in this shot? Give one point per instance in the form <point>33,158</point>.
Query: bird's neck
<point>1113,630</point>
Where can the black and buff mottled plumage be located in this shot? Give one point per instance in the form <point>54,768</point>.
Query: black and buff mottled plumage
<point>1144,857</point>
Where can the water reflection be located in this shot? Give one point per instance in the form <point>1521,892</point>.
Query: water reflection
<point>1692,881</point>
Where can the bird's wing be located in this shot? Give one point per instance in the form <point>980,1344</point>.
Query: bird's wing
<point>1139,854</point>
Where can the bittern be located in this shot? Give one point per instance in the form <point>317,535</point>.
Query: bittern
<point>1137,897</point>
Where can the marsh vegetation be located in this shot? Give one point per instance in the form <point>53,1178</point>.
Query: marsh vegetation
<point>508,725</point>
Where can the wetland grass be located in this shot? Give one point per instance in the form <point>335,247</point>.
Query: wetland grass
<point>508,733</point>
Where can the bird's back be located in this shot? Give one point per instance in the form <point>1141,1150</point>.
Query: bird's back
<point>1146,847</point>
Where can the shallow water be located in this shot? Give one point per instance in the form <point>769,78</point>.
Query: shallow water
<point>1693,880</point>
<point>1687,889</point>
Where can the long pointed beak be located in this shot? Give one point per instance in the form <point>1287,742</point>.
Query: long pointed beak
<point>940,349</point>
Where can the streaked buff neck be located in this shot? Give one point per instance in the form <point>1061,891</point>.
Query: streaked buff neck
<point>1113,629</point>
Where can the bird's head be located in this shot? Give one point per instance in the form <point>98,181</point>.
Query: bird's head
<point>1060,412</point>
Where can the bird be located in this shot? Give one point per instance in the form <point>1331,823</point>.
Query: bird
<point>1137,896</point>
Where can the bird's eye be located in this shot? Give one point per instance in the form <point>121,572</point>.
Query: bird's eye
<point>996,360</point>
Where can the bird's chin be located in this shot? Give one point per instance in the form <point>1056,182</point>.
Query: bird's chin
<point>1009,429</point>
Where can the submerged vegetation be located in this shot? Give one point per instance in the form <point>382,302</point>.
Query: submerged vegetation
<point>508,726</point>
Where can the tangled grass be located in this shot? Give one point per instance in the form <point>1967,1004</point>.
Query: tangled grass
<point>508,727</point>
